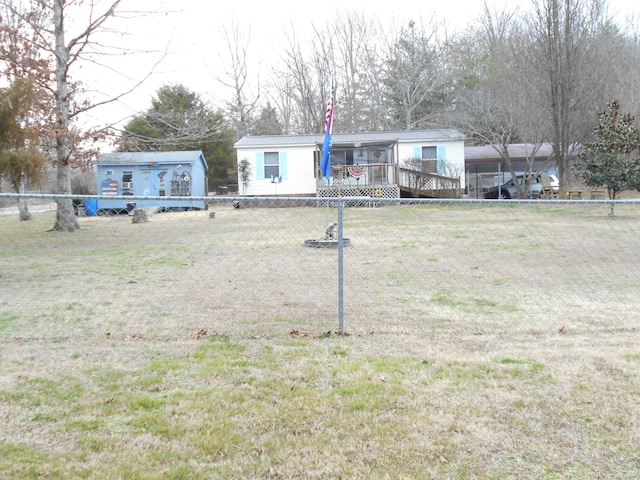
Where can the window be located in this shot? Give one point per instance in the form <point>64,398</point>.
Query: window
<point>433,159</point>
<point>181,184</point>
<point>429,153</point>
<point>430,159</point>
<point>127,180</point>
<point>271,164</point>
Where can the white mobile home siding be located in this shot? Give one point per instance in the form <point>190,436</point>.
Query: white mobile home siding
<point>296,168</point>
<point>453,154</point>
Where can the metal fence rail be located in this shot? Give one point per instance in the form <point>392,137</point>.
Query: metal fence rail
<point>432,268</point>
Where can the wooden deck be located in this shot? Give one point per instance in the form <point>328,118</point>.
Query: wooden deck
<point>385,180</point>
<point>417,184</point>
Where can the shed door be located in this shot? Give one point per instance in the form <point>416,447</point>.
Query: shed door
<point>148,184</point>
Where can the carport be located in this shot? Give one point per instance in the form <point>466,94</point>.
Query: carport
<point>485,168</point>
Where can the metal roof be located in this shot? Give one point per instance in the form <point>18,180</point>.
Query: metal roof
<point>135,158</point>
<point>350,138</point>
<point>517,151</point>
<point>486,159</point>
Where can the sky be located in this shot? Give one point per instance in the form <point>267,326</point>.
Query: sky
<point>185,38</point>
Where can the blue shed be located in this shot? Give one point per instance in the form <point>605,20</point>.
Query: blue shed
<point>178,175</point>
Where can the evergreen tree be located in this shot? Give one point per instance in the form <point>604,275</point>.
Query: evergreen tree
<point>612,159</point>
<point>179,119</point>
<point>268,122</point>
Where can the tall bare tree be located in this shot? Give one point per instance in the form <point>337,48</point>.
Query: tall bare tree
<point>307,86</point>
<point>563,50</point>
<point>341,55</point>
<point>47,35</point>
<point>490,105</point>
<point>415,77</point>
<point>352,38</point>
<point>244,103</point>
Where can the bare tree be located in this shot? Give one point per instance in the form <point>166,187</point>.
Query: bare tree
<point>352,38</point>
<point>540,77</point>
<point>491,108</point>
<point>342,55</point>
<point>277,91</point>
<point>563,50</point>
<point>243,103</point>
<point>307,86</point>
<point>415,75</point>
<point>44,29</point>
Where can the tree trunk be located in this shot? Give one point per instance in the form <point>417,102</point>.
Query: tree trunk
<point>23,208</point>
<point>65,217</point>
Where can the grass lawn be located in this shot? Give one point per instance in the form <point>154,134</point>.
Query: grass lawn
<point>481,341</point>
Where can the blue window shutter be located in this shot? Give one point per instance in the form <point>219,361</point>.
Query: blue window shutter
<point>259,166</point>
<point>442,160</point>
<point>283,164</point>
<point>417,152</point>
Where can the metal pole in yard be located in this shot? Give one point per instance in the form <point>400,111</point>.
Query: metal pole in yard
<point>340,267</point>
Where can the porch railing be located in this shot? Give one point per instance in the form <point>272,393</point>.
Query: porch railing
<point>421,184</point>
<point>387,180</point>
<point>360,175</point>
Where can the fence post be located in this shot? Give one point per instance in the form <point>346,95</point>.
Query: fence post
<point>340,266</point>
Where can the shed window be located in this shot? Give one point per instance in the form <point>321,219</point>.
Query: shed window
<point>181,184</point>
<point>127,177</point>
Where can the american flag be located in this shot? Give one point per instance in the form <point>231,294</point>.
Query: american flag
<point>325,165</point>
<point>109,187</point>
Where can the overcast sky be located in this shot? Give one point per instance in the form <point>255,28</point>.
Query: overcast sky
<point>191,31</point>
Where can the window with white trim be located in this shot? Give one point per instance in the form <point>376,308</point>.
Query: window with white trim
<point>271,164</point>
<point>430,159</point>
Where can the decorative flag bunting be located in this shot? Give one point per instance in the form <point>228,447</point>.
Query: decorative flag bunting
<point>325,165</point>
<point>357,170</point>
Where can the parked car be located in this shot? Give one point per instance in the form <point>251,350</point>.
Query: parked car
<point>508,189</point>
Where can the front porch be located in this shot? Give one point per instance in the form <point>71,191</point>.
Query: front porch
<point>367,180</point>
<point>385,180</point>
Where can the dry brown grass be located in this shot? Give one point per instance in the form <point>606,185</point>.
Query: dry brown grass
<point>484,342</point>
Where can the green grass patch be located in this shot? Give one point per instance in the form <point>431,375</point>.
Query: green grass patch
<point>7,319</point>
<point>228,411</point>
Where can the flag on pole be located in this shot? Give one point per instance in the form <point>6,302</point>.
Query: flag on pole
<point>325,165</point>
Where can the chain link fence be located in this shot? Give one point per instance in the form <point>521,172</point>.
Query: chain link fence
<point>424,268</point>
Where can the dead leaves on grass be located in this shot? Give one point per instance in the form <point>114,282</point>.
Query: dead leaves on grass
<point>203,332</point>
<point>328,334</point>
